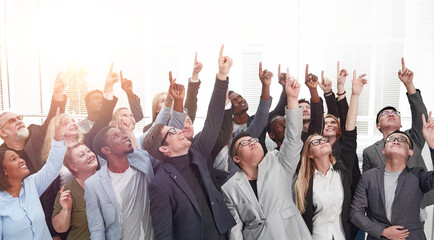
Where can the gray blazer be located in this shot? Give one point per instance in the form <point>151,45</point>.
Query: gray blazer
<point>274,215</point>
<point>101,204</point>
<point>373,156</point>
<point>369,198</point>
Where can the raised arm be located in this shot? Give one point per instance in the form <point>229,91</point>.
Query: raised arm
<point>214,118</point>
<point>58,101</point>
<point>417,105</point>
<point>290,149</point>
<point>62,211</point>
<point>44,177</point>
<point>428,133</point>
<point>329,96</point>
<point>133,99</point>
<point>311,82</point>
<point>193,89</point>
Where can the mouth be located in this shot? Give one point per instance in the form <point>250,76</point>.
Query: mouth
<point>128,142</point>
<point>91,160</point>
<point>24,166</point>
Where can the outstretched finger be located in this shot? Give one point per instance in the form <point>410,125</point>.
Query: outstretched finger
<point>111,68</point>
<point>260,68</point>
<point>122,78</point>
<point>402,63</point>
<point>195,58</point>
<point>61,190</point>
<point>221,51</point>
<point>322,77</point>
<point>278,70</point>
<point>338,69</point>
<point>307,70</point>
<point>354,75</point>
<point>171,78</point>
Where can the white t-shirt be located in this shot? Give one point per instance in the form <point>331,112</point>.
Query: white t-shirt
<point>131,190</point>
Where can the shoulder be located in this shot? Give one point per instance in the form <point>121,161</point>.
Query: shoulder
<point>372,173</point>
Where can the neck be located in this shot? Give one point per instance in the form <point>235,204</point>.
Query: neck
<point>92,116</point>
<point>387,132</point>
<point>241,118</point>
<point>117,164</point>
<point>80,178</point>
<point>395,164</point>
<point>332,140</point>
<point>251,173</point>
<point>306,125</point>
<point>15,188</point>
<point>322,164</point>
<point>16,145</point>
<point>70,139</point>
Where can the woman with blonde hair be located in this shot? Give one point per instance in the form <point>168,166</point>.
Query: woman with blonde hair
<point>323,187</point>
<point>69,206</point>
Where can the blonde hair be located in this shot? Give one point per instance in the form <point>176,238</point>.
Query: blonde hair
<point>49,136</point>
<point>307,169</point>
<point>155,103</point>
<point>68,156</point>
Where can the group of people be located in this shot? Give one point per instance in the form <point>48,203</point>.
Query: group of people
<point>94,179</point>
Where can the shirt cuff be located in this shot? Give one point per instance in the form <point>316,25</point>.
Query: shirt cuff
<point>193,81</point>
<point>108,96</point>
<point>228,106</point>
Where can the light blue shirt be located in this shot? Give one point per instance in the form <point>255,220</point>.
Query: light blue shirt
<point>23,217</point>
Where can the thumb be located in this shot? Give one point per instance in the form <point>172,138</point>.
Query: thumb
<point>62,189</point>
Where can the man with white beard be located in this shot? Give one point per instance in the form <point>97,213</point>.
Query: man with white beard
<point>27,142</point>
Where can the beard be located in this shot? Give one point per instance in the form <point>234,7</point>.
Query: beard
<point>23,134</point>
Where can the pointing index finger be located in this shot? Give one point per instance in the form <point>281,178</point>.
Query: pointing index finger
<point>170,78</point>
<point>260,68</point>
<point>339,69</point>
<point>402,63</point>
<point>278,70</point>
<point>111,68</point>
<point>122,78</point>
<point>221,51</point>
<point>195,58</point>
<point>307,70</point>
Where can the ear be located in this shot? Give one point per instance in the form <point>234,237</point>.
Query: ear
<point>271,135</point>
<point>236,159</point>
<point>410,152</point>
<point>378,126</point>
<point>163,149</point>
<point>105,150</point>
<point>3,134</point>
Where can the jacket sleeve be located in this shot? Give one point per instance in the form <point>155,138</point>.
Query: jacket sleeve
<point>366,162</point>
<point>224,133</point>
<point>52,113</point>
<point>290,149</point>
<point>214,118</point>
<point>359,207</point>
<point>94,215</point>
<point>44,177</point>
<point>191,99</point>
<point>236,232</point>
<point>348,148</point>
<point>104,118</point>
<point>417,108</point>
<point>332,106</point>
<point>316,117</point>
<point>260,121</point>
<point>135,107</point>
<point>161,212</point>
<point>279,110</point>
<point>343,111</point>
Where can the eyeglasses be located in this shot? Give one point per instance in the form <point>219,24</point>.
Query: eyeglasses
<point>171,131</point>
<point>12,120</point>
<point>245,143</point>
<point>317,142</point>
<point>387,113</point>
<point>399,139</point>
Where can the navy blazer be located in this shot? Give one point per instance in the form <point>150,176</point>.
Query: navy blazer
<point>174,209</point>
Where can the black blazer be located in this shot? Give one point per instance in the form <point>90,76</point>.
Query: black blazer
<point>174,209</point>
<point>343,162</point>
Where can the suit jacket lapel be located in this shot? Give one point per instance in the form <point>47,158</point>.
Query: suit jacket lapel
<point>244,185</point>
<point>107,186</point>
<point>180,181</point>
<point>380,179</point>
<point>379,149</point>
<point>401,181</point>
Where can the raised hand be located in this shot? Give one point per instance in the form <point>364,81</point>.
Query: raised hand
<point>311,80</point>
<point>112,78</point>
<point>61,122</point>
<point>59,86</point>
<point>126,85</point>
<point>292,86</point>
<point>358,83</point>
<point>265,76</point>
<point>325,84</point>
<point>341,77</point>
<point>125,124</point>
<point>225,64</point>
<point>197,67</point>
<point>65,199</point>
<point>281,77</point>
<point>428,130</point>
<point>176,90</point>
<point>405,74</point>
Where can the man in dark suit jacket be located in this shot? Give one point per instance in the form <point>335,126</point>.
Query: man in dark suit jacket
<point>389,120</point>
<point>185,203</point>
<point>391,194</point>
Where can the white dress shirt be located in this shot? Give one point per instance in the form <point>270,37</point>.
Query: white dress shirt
<point>328,197</point>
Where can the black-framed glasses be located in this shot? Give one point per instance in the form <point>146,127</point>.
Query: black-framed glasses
<point>245,143</point>
<point>171,131</point>
<point>388,112</point>
<point>12,120</point>
<point>399,139</point>
<point>318,141</point>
